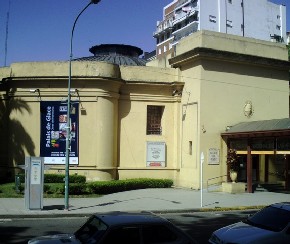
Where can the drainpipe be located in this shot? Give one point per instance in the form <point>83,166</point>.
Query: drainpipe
<point>243,13</point>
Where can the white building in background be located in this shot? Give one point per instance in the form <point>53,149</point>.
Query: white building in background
<point>259,19</point>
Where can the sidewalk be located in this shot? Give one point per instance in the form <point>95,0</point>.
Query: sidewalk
<point>154,200</point>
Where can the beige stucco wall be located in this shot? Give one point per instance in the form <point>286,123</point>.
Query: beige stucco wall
<point>103,97</point>
<point>218,91</point>
<point>232,43</point>
<point>211,94</point>
<point>225,95</point>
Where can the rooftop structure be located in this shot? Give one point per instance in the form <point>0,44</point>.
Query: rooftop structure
<point>116,54</point>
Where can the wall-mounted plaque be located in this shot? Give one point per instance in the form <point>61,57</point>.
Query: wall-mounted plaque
<point>155,154</point>
<point>213,156</point>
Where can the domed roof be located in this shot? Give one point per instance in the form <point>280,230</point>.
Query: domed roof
<point>116,54</point>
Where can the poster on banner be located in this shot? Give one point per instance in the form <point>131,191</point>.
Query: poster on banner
<point>155,154</point>
<point>53,132</point>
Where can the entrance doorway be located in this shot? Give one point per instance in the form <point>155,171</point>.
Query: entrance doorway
<point>269,172</point>
<point>242,177</point>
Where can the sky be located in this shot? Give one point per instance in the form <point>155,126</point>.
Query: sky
<point>40,30</point>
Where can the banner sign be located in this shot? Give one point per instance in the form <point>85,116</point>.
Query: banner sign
<point>53,132</point>
<point>155,154</point>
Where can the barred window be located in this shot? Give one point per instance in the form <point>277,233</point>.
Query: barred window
<point>154,117</point>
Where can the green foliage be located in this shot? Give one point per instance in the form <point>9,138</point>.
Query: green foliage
<point>233,160</point>
<point>22,177</point>
<point>91,189</point>
<point>59,188</point>
<point>107,187</point>
<point>8,190</point>
<point>59,178</point>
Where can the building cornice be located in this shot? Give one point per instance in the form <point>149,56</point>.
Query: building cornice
<point>218,55</point>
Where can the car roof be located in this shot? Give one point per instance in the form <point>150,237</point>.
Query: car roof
<point>121,218</point>
<point>282,205</point>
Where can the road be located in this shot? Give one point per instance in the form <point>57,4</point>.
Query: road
<point>199,225</point>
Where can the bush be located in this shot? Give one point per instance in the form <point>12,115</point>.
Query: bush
<point>22,178</point>
<point>59,188</point>
<point>53,188</point>
<point>107,187</point>
<point>59,178</point>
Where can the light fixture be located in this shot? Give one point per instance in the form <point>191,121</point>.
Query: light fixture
<point>73,91</point>
<point>33,90</point>
<point>176,92</point>
<point>68,137</point>
<point>228,127</point>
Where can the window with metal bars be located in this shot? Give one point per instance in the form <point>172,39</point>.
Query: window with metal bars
<point>154,118</point>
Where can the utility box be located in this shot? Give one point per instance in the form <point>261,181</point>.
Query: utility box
<point>34,179</point>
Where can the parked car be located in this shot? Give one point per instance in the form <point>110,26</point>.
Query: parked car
<point>269,225</point>
<point>119,227</point>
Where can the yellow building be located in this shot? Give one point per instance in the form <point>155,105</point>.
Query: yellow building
<point>149,121</point>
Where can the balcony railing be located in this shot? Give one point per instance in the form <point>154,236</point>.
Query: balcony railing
<point>162,26</point>
<point>185,31</point>
<point>181,3</point>
<point>183,15</point>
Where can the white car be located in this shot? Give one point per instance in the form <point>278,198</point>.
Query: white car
<point>270,225</point>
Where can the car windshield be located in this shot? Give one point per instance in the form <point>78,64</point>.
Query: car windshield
<point>270,218</point>
<point>91,231</point>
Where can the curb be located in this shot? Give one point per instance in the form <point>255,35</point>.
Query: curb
<point>165,211</point>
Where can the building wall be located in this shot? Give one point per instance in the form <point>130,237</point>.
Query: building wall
<point>108,108</point>
<point>233,43</point>
<point>272,15</point>
<point>259,19</point>
<point>134,99</point>
<point>219,90</point>
<point>269,20</point>
<point>164,48</point>
<point>211,79</point>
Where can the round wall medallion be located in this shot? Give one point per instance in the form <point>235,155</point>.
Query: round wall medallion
<point>248,109</point>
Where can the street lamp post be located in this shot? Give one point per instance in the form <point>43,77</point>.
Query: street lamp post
<point>68,129</point>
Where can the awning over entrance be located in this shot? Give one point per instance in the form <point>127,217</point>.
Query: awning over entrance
<point>265,137</point>
<point>260,128</point>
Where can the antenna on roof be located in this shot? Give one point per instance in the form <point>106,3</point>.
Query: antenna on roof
<point>6,34</point>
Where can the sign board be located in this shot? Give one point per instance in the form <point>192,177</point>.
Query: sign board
<point>53,132</point>
<point>34,178</point>
<point>35,172</point>
<point>213,156</point>
<point>155,154</point>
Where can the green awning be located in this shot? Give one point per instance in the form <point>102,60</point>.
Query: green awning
<point>259,128</point>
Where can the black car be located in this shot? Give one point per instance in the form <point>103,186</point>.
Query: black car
<point>119,227</point>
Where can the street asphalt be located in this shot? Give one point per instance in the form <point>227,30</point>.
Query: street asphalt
<point>152,200</point>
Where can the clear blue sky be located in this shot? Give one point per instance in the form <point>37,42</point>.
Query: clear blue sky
<point>39,30</point>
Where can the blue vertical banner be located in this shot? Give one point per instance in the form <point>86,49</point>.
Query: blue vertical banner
<point>53,132</point>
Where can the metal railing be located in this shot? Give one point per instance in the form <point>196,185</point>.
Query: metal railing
<point>214,178</point>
